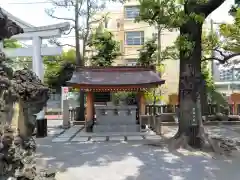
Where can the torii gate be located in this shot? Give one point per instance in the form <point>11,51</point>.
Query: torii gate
<point>36,34</point>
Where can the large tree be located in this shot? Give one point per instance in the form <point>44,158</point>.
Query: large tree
<point>84,16</point>
<point>210,41</point>
<point>188,16</point>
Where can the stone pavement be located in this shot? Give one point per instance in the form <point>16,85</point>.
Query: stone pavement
<point>132,160</point>
<point>226,131</point>
<point>77,134</point>
<point>119,159</point>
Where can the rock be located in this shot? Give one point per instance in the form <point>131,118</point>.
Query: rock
<point>19,160</point>
<point>17,154</point>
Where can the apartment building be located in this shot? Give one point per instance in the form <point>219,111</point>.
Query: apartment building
<point>132,35</point>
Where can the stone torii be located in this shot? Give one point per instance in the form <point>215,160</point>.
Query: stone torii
<point>37,34</point>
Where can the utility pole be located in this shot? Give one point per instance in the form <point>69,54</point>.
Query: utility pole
<point>159,49</point>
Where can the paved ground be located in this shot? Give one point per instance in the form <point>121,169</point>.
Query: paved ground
<point>134,160</point>
<point>77,134</point>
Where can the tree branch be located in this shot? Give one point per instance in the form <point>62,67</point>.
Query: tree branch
<point>208,7</point>
<point>225,58</point>
<point>54,41</point>
<point>50,12</point>
<point>63,4</point>
<point>69,31</point>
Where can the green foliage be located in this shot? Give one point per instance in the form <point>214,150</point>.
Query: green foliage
<point>231,34</point>
<point>185,44</point>
<point>207,77</point>
<point>11,43</point>
<point>127,97</point>
<point>209,42</point>
<point>213,95</point>
<point>147,55</point>
<point>107,49</point>
<point>165,13</point>
<point>54,67</point>
<point>168,14</point>
<point>18,62</point>
<point>152,96</point>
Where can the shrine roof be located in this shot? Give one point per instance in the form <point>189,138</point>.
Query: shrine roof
<point>92,77</point>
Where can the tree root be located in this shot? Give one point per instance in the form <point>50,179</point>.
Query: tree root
<point>220,146</point>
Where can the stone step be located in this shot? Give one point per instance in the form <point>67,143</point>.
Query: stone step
<point>116,122</point>
<point>116,128</point>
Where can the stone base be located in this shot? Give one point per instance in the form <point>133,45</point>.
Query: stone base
<point>41,128</point>
<point>116,128</point>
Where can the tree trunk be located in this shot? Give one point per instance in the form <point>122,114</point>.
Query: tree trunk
<point>190,118</point>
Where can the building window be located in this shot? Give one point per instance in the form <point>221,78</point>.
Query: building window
<point>230,74</point>
<point>226,75</point>
<point>131,12</point>
<point>134,38</point>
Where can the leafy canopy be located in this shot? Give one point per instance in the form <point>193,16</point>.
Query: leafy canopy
<point>147,55</point>
<point>231,34</point>
<point>105,47</point>
<point>55,67</point>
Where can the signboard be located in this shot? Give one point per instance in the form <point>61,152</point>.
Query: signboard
<point>64,96</point>
<point>65,91</point>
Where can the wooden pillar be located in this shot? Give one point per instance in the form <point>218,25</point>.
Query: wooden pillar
<point>89,107</point>
<point>141,103</point>
<point>235,108</point>
<point>235,99</point>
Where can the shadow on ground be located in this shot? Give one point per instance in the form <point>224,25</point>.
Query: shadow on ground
<point>133,161</point>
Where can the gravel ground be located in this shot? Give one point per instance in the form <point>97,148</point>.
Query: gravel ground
<point>133,161</point>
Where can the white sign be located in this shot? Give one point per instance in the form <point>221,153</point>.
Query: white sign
<point>65,91</point>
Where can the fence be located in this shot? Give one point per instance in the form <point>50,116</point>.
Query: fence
<point>159,109</point>
<point>212,109</point>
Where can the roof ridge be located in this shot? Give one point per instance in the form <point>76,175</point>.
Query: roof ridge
<point>117,68</point>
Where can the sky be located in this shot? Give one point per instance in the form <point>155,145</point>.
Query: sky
<point>33,12</point>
